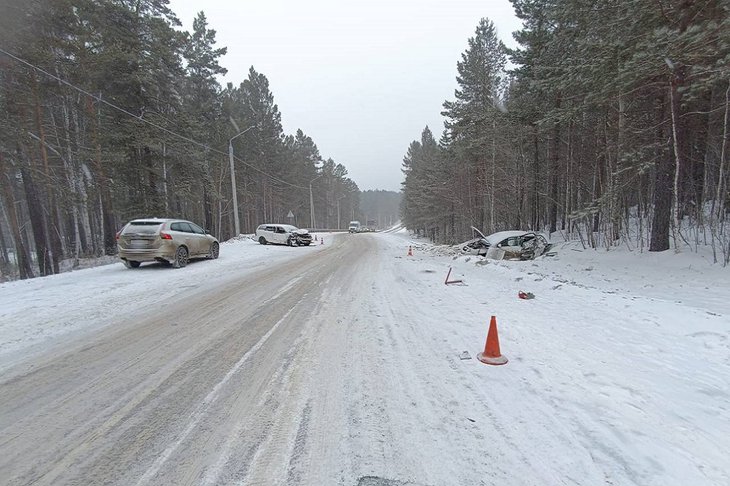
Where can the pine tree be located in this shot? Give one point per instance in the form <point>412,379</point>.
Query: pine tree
<point>475,114</point>
<point>203,112</point>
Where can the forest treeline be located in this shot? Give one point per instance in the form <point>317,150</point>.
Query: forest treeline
<point>380,209</point>
<point>109,111</point>
<point>608,122</point>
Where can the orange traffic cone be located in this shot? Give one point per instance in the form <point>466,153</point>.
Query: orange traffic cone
<point>491,354</point>
<point>410,251</point>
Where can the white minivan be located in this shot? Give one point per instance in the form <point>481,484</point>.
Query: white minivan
<point>283,234</point>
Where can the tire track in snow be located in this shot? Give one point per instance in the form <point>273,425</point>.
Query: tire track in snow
<point>207,402</point>
<point>256,441</point>
<point>297,466</point>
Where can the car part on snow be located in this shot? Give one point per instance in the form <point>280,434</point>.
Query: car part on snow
<point>491,354</point>
<point>525,295</point>
<point>464,356</point>
<point>448,282</point>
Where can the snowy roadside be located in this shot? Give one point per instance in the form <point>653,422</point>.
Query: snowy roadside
<point>687,278</point>
<point>610,380</point>
<point>40,312</point>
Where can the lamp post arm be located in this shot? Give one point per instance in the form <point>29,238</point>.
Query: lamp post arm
<point>236,136</point>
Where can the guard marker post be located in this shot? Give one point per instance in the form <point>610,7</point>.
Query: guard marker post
<point>447,281</point>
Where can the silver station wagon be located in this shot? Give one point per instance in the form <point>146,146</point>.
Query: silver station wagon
<point>171,241</point>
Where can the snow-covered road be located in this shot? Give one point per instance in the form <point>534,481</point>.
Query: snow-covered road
<point>339,364</point>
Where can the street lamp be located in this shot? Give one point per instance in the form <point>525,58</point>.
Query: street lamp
<point>338,209</point>
<point>311,202</point>
<point>233,176</point>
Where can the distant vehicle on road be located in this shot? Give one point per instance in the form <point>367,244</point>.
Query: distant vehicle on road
<point>283,234</point>
<point>170,241</point>
<point>354,227</point>
<point>508,245</point>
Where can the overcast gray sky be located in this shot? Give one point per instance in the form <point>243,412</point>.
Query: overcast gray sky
<point>362,77</point>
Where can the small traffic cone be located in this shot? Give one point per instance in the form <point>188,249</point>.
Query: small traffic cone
<point>491,354</point>
<point>315,237</point>
<point>410,251</point>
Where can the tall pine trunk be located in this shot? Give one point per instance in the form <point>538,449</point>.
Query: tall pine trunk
<point>53,227</point>
<point>22,257</point>
<point>35,211</point>
<point>107,216</point>
<point>663,191</point>
<point>554,171</point>
<point>536,180</point>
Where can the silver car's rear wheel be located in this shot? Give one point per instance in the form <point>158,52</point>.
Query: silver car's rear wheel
<point>214,250</point>
<point>181,257</point>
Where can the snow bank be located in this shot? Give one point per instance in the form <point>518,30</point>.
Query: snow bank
<point>619,368</point>
<point>39,311</point>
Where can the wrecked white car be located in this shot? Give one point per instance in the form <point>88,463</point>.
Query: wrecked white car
<point>508,245</point>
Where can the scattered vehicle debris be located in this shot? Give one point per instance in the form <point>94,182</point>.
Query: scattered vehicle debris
<point>449,282</point>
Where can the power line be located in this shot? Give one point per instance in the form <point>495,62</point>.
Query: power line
<point>143,120</point>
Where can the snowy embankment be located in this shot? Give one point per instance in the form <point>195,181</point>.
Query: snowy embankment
<point>619,369</point>
<point>40,312</point>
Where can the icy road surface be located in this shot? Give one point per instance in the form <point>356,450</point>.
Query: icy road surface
<point>339,365</point>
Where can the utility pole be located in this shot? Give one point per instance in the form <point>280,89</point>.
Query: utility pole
<point>236,221</point>
<point>338,209</point>
<point>311,202</point>
<point>233,189</point>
